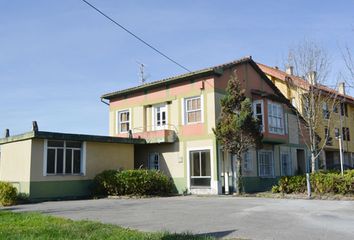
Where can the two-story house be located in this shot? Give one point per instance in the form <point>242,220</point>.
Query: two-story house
<point>336,120</point>
<point>176,117</point>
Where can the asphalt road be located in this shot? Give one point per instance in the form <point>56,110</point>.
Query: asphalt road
<point>250,218</point>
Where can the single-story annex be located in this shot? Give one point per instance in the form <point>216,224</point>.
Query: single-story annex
<point>48,165</point>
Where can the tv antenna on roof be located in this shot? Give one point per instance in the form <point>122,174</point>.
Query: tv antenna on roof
<point>142,76</point>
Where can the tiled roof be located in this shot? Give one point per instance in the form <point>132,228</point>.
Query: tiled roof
<point>199,73</point>
<point>297,81</point>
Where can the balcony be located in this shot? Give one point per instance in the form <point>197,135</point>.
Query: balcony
<point>166,135</point>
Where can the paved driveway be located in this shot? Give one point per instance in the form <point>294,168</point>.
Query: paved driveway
<point>251,218</point>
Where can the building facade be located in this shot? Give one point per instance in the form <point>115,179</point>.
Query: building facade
<point>48,165</point>
<point>176,117</point>
<point>336,119</point>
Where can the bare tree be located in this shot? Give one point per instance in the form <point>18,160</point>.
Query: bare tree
<point>311,65</point>
<point>349,62</point>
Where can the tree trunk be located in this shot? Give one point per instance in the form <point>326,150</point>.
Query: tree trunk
<point>239,186</point>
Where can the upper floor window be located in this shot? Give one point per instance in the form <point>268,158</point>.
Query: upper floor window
<point>336,132</point>
<point>193,110</point>
<point>159,116</point>
<point>345,133</point>
<point>275,118</point>
<point>328,138</point>
<point>63,157</point>
<point>258,112</point>
<point>344,109</point>
<point>325,111</point>
<point>123,121</point>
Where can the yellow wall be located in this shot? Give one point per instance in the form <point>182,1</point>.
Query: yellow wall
<point>15,163</point>
<point>334,122</point>
<point>99,157</point>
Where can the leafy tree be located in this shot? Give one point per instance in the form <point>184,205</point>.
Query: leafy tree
<point>237,130</point>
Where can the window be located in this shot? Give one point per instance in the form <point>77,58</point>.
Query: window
<point>275,118</point>
<point>286,168</point>
<point>123,121</point>
<point>325,111</point>
<point>335,108</point>
<point>258,112</point>
<point>328,137</point>
<point>193,110</point>
<point>160,117</point>
<point>200,168</point>
<point>63,157</point>
<point>247,161</point>
<point>154,161</point>
<point>345,134</point>
<point>266,167</point>
<point>336,132</point>
<point>344,109</point>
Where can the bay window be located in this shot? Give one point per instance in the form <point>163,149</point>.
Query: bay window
<point>275,118</point>
<point>258,112</point>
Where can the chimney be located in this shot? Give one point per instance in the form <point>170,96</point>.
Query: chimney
<point>312,77</point>
<point>7,133</point>
<point>289,70</point>
<point>341,88</point>
<point>34,126</point>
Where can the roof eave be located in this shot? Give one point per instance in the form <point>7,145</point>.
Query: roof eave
<point>185,77</point>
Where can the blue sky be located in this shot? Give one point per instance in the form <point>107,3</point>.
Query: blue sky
<point>58,57</point>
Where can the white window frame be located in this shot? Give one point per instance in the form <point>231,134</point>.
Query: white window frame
<point>279,106</point>
<point>209,177</point>
<point>154,120</point>
<point>254,104</point>
<point>290,169</point>
<point>247,158</point>
<point>271,164</point>
<point>185,113</point>
<point>153,166</point>
<point>118,122</point>
<point>82,160</point>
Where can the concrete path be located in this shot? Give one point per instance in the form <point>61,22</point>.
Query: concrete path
<point>250,218</point>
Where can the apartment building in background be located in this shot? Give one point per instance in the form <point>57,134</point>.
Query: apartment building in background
<point>337,119</point>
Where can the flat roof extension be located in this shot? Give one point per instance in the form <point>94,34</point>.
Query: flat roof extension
<point>71,137</point>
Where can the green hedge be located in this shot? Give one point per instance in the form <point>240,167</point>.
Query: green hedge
<point>8,194</point>
<point>321,183</point>
<point>132,182</point>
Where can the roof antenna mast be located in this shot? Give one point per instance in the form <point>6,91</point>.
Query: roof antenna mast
<point>142,76</point>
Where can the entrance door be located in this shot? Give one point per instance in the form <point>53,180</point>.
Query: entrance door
<point>160,117</point>
<point>301,164</point>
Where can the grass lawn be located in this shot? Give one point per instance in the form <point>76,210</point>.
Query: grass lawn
<point>39,226</point>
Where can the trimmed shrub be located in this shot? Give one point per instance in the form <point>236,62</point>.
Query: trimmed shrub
<point>321,183</point>
<point>132,182</point>
<point>8,194</point>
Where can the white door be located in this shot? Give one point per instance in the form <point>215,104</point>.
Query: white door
<point>160,117</point>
